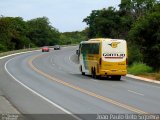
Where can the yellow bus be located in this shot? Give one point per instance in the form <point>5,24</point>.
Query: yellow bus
<point>103,57</point>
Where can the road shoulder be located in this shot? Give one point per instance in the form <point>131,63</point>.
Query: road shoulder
<point>143,79</point>
<point>6,107</point>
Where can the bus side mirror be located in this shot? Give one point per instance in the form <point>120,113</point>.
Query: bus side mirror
<point>77,52</point>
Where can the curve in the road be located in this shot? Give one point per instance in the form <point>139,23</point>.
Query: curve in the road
<point>106,99</point>
<point>55,77</point>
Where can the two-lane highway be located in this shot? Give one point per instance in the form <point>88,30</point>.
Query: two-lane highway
<point>51,83</point>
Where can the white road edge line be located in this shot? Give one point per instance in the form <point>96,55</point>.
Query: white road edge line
<point>135,92</point>
<point>17,54</point>
<point>44,98</point>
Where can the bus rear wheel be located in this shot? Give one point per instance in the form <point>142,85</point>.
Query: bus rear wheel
<point>83,73</point>
<point>116,77</point>
<point>94,74</point>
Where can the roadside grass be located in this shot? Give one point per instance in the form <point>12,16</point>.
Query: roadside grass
<point>139,68</point>
<point>142,70</point>
<point>17,51</point>
<point>154,76</point>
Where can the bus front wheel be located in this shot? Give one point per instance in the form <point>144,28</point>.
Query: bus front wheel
<point>83,73</point>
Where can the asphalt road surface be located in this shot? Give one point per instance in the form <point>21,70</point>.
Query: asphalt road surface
<point>51,83</point>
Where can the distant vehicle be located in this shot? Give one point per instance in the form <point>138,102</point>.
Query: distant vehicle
<point>45,49</point>
<point>103,57</point>
<point>56,47</point>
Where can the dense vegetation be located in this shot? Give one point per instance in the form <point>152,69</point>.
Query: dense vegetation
<point>17,34</point>
<point>73,37</point>
<point>137,21</point>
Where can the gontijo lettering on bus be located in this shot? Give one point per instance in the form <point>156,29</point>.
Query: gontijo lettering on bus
<point>113,55</point>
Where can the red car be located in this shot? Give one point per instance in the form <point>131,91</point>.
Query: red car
<point>45,49</point>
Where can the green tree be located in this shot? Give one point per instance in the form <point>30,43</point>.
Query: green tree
<point>73,37</point>
<point>137,8</point>
<point>107,23</point>
<point>41,32</point>
<point>146,34</point>
<point>13,33</point>
<point>131,10</point>
<point>90,21</point>
<point>103,23</point>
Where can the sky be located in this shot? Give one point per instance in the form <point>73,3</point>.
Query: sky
<point>64,15</point>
